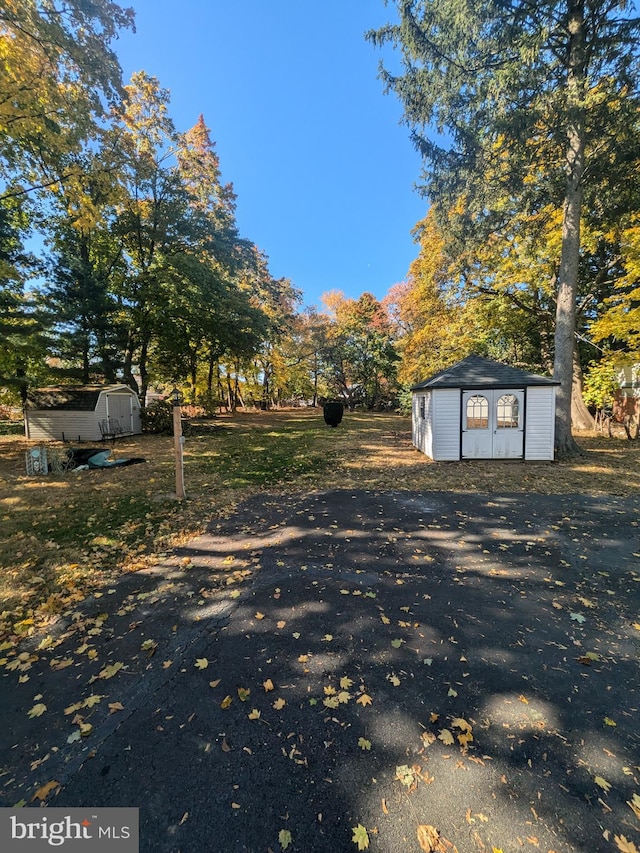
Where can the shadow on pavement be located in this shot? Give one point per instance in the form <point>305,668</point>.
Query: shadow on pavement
<point>389,659</point>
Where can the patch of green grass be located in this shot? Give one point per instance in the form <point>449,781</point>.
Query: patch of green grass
<point>11,427</point>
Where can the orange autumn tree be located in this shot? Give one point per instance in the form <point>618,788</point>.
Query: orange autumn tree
<point>359,354</point>
<point>434,326</point>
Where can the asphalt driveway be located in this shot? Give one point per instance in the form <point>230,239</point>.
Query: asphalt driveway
<point>452,670</point>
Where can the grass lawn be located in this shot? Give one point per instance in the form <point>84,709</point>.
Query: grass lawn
<point>63,535</point>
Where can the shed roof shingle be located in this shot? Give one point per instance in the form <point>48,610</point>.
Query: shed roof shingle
<point>478,372</point>
<point>79,398</point>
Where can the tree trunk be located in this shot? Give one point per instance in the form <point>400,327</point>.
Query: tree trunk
<point>581,417</point>
<point>230,398</point>
<point>236,386</point>
<point>86,361</point>
<point>193,375</point>
<point>314,401</point>
<point>106,362</point>
<point>144,373</point>
<point>210,370</point>
<point>546,334</point>
<point>220,388</point>
<point>127,367</point>
<point>570,254</point>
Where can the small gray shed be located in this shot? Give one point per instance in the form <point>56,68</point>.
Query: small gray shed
<point>74,412</point>
<point>483,409</point>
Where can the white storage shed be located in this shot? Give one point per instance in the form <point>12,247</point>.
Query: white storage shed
<point>75,412</point>
<point>482,409</point>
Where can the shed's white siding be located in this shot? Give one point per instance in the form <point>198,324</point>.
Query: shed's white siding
<point>540,423</point>
<point>63,425</point>
<point>422,432</point>
<point>446,424</point>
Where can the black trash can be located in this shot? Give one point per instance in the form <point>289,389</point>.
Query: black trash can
<point>333,412</point>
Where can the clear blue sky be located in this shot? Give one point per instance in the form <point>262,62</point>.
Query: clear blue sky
<point>323,171</point>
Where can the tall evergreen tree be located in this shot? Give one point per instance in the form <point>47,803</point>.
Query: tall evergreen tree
<point>525,95</point>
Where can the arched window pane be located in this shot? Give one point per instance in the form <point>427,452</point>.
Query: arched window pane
<point>477,412</point>
<point>508,412</point>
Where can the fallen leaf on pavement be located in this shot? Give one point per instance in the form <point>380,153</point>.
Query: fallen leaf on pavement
<point>110,671</point>
<point>634,805</point>
<point>625,846</point>
<point>360,836</point>
<point>43,792</point>
<point>428,837</point>
<point>406,775</point>
<point>284,837</point>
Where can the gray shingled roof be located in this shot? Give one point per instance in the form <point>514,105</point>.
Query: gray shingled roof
<point>77,398</point>
<point>477,372</point>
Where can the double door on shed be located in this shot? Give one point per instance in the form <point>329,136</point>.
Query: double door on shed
<point>493,424</point>
<point>119,408</point>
